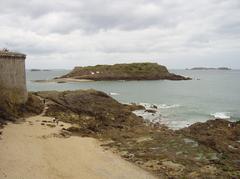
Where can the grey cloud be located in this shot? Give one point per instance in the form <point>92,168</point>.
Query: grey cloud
<point>112,28</point>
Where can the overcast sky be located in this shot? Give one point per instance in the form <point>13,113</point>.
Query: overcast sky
<point>176,33</point>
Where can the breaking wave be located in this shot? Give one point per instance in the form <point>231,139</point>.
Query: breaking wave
<point>114,94</point>
<point>221,115</point>
<point>159,106</point>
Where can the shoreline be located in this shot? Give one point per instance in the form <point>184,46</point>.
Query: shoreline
<point>192,152</point>
<point>62,80</point>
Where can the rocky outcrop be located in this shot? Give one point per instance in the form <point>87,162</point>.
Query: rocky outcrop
<point>204,150</point>
<point>133,71</point>
<point>93,111</point>
<point>220,135</point>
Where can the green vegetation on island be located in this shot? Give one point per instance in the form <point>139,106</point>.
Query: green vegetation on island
<point>133,71</point>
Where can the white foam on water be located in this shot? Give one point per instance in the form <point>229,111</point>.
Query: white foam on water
<point>114,94</point>
<point>175,124</point>
<point>165,106</point>
<point>158,115</point>
<point>221,115</point>
<point>159,106</point>
<point>152,117</point>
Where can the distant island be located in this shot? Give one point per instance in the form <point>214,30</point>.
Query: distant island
<point>206,68</point>
<point>40,70</point>
<point>132,71</point>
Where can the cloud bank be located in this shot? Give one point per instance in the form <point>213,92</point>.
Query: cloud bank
<point>176,33</point>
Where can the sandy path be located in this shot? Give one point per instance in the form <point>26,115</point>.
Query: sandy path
<point>30,150</point>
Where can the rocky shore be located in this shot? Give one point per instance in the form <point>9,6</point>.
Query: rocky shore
<point>203,150</point>
<point>133,71</point>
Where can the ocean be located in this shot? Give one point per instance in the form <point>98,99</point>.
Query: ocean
<point>211,94</point>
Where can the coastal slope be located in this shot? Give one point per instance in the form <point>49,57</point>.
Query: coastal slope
<point>133,71</point>
<point>33,150</point>
<point>49,145</point>
<point>194,152</point>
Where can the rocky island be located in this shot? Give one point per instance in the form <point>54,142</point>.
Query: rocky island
<point>207,68</point>
<point>36,70</point>
<point>133,71</point>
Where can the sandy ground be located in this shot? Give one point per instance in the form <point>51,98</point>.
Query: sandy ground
<point>62,80</point>
<point>30,150</point>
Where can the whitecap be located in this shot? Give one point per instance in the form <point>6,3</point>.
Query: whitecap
<point>114,94</point>
<point>221,115</point>
<point>165,106</point>
<point>159,106</point>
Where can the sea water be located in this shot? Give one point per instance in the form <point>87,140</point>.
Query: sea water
<point>211,94</point>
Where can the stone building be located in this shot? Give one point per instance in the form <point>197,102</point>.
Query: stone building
<point>12,77</point>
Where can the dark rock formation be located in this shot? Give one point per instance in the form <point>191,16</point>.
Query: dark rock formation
<point>204,150</point>
<point>220,135</point>
<point>133,71</point>
<point>93,111</point>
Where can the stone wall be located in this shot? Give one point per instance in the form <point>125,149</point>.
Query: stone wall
<point>13,79</point>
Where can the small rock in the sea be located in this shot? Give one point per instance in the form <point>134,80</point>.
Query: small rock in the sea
<point>150,111</point>
<point>154,106</point>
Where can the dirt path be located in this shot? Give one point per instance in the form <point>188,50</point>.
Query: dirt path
<point>30,150</point>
